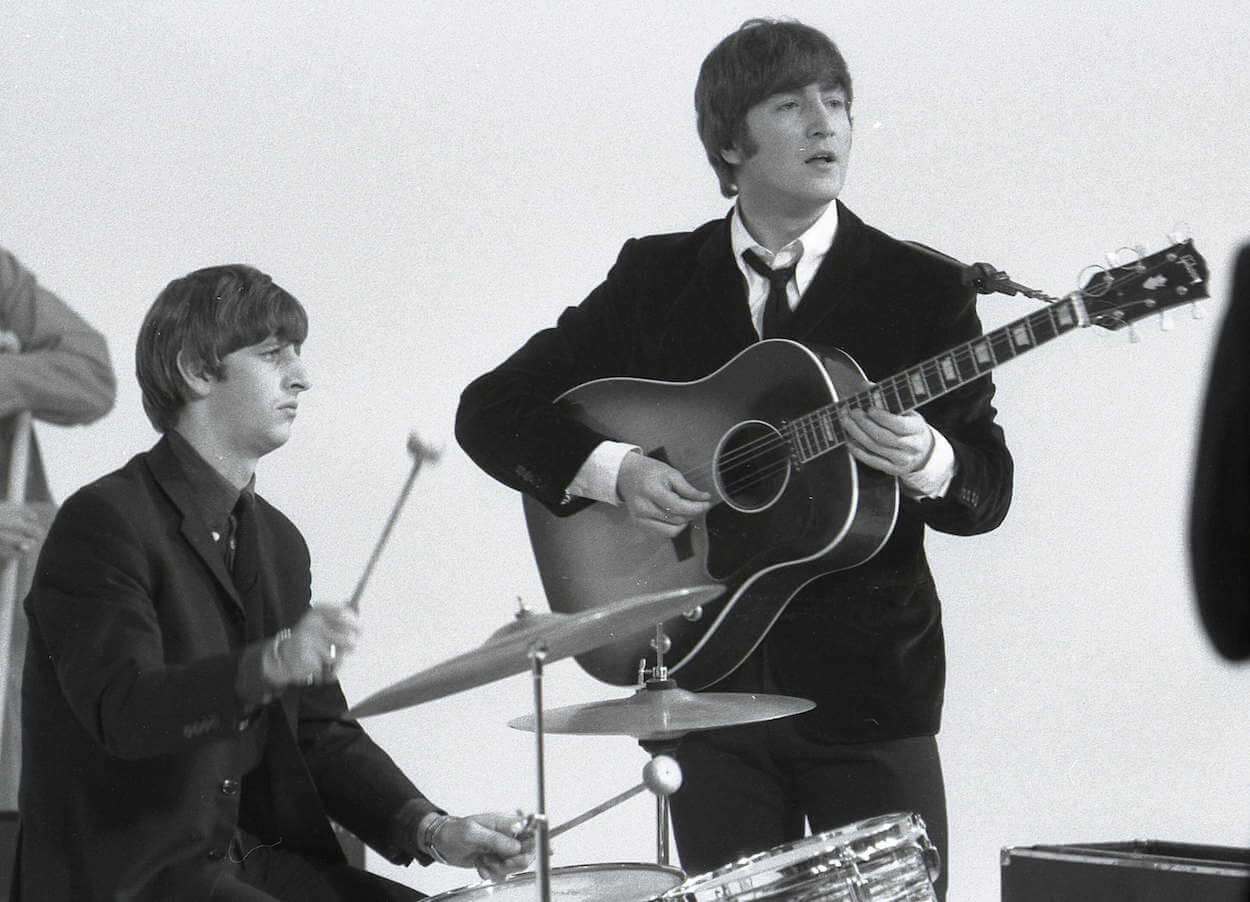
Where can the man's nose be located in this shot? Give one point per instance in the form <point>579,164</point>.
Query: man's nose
<point>297,375</point>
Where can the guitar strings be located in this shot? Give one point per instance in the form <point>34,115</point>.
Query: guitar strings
<point>827,418</point>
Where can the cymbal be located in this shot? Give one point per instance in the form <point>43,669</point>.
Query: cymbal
<point>654,714</point>
<point>508,650</point>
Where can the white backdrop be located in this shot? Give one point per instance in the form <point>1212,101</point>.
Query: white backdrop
<point>435,181</point>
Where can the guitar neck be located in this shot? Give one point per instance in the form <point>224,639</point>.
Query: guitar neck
<point>821,431</point>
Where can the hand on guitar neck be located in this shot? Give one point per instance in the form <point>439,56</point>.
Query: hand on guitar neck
<point>657,495</point>
<point>896,444</point>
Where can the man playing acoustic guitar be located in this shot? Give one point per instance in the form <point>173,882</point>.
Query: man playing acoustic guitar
<point>788,261</point>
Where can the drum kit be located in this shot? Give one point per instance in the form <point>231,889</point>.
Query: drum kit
<point>884,859</point>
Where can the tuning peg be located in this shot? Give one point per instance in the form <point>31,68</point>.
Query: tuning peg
<point>1166,323</point>
<point>1113,259</point>
<point>1181,233</point>
<point>1133,337</point>
<point>1195,311</point>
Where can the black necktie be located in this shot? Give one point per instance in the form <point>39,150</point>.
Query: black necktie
<point>245,564</point>
<point>777,305</point>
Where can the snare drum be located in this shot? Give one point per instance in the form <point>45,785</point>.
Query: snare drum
<point>882,859</point>
<point>584,882</point>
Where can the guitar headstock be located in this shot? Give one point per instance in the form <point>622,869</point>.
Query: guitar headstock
<point>1116,297</point>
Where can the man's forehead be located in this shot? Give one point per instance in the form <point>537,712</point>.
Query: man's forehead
<point>824,87</point>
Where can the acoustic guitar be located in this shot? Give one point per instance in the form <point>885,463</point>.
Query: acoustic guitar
<point>763,435</point>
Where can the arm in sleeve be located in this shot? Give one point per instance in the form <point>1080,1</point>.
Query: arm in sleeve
<point>508,421</point>
<point>62,373</point>
<point>361,787</point>
<point>979,493</point>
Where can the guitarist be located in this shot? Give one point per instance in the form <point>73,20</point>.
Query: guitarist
<point>773,101</point>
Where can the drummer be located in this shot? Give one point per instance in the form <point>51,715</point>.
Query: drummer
<point>186,735</point>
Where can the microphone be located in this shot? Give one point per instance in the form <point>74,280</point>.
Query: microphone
<point>985,278</point>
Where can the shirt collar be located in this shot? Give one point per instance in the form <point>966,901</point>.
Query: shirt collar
<point>815,243</point>
<point>214,496</point>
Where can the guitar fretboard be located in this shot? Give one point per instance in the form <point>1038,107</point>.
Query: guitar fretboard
<point>820,431</point>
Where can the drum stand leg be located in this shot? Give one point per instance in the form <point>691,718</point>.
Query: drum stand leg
<point>542,844</point>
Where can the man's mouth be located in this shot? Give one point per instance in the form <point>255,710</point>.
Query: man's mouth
<point>822,158</point>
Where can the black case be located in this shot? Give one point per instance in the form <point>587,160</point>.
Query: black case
<point>1135,871</point>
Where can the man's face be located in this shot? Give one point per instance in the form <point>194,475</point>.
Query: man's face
<point>802,144</point>
<point>254,403</point>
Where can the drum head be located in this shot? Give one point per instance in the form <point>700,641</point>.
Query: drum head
<point>614,882</point>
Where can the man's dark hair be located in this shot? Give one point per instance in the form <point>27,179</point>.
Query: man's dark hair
<point>762,58</point>
<point>207,315</point>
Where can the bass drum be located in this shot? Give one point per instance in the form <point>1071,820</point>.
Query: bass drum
<point>882,859</point>
<point>615,882</point>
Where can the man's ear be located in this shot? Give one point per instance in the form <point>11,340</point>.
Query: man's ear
<point>732,155</point>
<point>195,374</point>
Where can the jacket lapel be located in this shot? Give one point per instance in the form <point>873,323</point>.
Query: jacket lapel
<point>169,476</point>
<point>714,304</point>
<point>833,285</point>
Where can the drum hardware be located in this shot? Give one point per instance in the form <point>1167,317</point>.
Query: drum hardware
<point>531,641</point>
<point>658,714</point>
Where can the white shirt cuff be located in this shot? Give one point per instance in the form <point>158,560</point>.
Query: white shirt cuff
<point>596,479</point>
<point>934,478</point>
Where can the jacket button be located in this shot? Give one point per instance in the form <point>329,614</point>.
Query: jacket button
<point>229,787</point>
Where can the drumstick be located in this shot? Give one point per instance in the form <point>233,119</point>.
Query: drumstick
<point>420,453</point>
<point>661,775</point>
<point>597,810</point>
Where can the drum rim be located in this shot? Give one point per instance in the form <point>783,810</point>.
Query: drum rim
<point>716,879</point>
<point>524,877</point>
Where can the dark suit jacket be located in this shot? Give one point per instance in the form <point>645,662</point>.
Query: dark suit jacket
<point>865,644</point>
<point>134,736</point>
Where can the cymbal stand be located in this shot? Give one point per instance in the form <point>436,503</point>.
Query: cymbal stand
<point>656,749</point>
<point>659,680</point>
<point>542,840</point>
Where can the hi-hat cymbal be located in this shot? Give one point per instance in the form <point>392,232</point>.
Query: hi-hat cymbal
<point>656,714</point>
<point>508,650</point>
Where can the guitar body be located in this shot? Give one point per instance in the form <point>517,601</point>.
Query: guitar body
<point>773,527</point>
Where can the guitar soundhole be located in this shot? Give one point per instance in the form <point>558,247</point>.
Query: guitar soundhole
<point>752,466</point>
